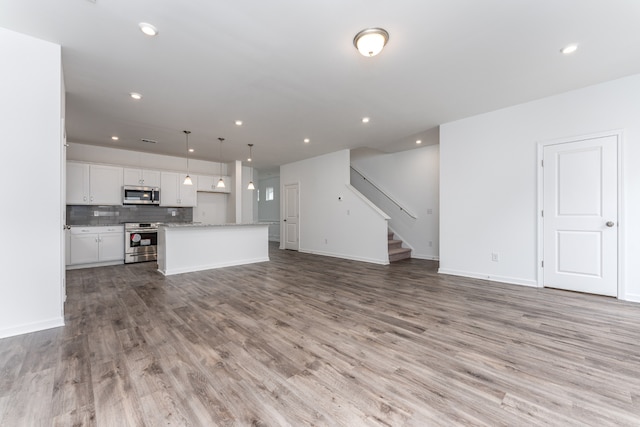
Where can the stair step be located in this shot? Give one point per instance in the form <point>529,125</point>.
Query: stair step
<point>395,244</point>
<point>398,254</point>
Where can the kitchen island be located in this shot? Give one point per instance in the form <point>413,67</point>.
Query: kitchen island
<point>183,248</point>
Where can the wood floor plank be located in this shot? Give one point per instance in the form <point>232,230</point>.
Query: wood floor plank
<point>308,340</point>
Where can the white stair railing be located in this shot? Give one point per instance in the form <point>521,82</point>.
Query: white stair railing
<point>384,193</point>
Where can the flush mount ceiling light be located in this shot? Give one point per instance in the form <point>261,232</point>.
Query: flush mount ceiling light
<point>148,29</point>
<point>370,41</point>
<point>187,179</point>
<point>115,138</point>
<point>306,140</point>
<point>220,181</point>
<point>250,186</point>
<point>238,122</point>
<point>569,49</point>
<point>419,142</point>
<point>365,120</point>
<point>135,95</point>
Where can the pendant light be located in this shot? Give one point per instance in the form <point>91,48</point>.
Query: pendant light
<point>250,159</point>
<point>187,179</point>
<point>221,181</point>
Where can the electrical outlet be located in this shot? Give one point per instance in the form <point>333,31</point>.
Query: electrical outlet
<point>429,211</point>
<point>326,241</point>
<point>348,212</point>
<point>430,243</point>
<point>495,257</point>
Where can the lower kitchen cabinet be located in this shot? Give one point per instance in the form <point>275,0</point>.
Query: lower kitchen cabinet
<point>94,246</point>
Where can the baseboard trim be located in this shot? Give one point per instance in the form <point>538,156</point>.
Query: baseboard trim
<point>341,256</point>
<point>426,257</point>
<point>501,279</point>
<point>32,327</point>
<point>172,271</point>
<point>632,297</point>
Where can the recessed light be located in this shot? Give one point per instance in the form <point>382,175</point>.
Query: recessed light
<point>148,29</point>
<point>569,49</point>
<point>115,138</point>
<point>419,142</point>
<point>191,150</point>
<point>238,122</point>
<point>365,120</point>
<point>135,95</point>
<point>307,140</point>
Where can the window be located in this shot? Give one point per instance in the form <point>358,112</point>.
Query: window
<point>269,194</point>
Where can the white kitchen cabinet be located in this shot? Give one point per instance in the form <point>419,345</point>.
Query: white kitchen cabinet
<point>209,184</point>
<point>77,183</point>
<point>141,177</point>
<point>174,193</point>
<point>96,245</point>
<point>91,184</point>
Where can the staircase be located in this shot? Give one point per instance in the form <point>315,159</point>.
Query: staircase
<point>396,251</point>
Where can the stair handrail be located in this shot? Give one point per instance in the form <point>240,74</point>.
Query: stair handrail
<point>384,193</point>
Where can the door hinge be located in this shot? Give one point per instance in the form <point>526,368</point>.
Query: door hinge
<point>542,163</point>
<point>542,213</point>
<point>542,264</point>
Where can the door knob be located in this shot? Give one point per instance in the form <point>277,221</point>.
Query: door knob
<point>285,220</point>
<point>610,223</point>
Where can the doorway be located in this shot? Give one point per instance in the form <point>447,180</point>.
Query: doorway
<point>291,217</point>
<point>579,214</point>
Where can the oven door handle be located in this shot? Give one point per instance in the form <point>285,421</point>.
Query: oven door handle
<point>143,231</point>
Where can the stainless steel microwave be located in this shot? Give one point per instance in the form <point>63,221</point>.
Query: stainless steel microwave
<point>132,195</point>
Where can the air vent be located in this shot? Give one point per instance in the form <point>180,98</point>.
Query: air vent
<point>150,141</point>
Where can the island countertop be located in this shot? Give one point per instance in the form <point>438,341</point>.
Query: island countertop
<point>204,224</point>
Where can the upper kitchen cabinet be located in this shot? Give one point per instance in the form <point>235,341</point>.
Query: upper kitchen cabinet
<point>210,184</point>
<point>89,184</point>
<point>141,177</point>
<point>174,193</point>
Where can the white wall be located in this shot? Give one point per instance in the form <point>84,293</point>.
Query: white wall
<point>248,197</point>
<point>488,187</point>
<point>349,228</point>
<point>211,208</point>
<point>137,159</point>
<point>269,210</point>
<point>412,178</point>
<point>31,257</point>
<point>234,204</point>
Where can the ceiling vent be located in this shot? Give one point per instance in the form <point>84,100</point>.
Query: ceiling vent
<point>150,141</point>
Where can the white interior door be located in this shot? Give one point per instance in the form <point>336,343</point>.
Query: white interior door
<point>580,216</point>
<point>291,217</point>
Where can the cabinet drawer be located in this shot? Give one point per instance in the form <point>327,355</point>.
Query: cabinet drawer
<point>97,229</point>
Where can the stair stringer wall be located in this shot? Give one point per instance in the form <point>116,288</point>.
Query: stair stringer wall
<point>412,178</point>
<point>334,219</point>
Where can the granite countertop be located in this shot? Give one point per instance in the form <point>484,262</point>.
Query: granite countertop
<point>202,224</point>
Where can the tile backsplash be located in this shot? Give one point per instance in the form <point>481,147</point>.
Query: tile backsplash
<point>108,215</point>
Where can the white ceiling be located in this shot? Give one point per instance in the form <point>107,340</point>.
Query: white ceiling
<point>289,70</point>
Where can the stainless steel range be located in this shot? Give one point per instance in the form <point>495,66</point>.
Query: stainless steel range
<point>140,241</point>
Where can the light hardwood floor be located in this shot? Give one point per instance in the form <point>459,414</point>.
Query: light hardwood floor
<point>307,340</point>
